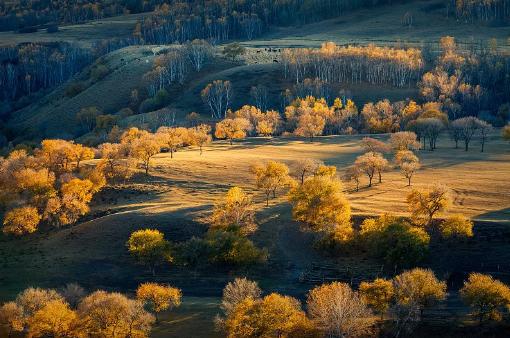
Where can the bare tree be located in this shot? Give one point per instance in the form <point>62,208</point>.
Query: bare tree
<point>259,94</point>
<point>198,51</point>
<point>217,96</point>
<point>485,128</point>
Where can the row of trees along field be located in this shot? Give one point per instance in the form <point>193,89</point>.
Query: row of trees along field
<point>483,10</point>
<point>333,309</point>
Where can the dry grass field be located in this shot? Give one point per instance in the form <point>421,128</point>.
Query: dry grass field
<point>182,190</point>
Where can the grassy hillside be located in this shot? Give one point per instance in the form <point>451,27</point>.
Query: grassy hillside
<point>383,25</point>
<point>84,34</point>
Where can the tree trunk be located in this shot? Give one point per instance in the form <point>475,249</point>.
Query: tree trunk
<point>200,150</point>
<point>466,143</point>
<point>171,153</point>
<point>483,144</point>
<point>369,181</point>
<point>409,181</point>
<point>380,177</point>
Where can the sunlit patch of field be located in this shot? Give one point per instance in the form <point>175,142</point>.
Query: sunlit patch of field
<point>478,181</point>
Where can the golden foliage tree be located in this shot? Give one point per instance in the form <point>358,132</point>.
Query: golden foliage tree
<point>173,138</point>
<point>159,297</point>
<point>104,314</point>
<point>232,129</point>
<point>457,226</point>
<point>273,316</point>
<point>424,204</point>
<point>54,319</point>
<point>310,125</point>
<point>200,136</point>
<point>372,163</point>
<point>486,296</point>
<point>235,212</point>
<point>408,163</point>
<point>271,177</point>
<point>404,140</point>
<point>11,319</point>
<point>418,288</point>
<point>20,221</point>
<point>377,294</point>
<point>339,311</point>
<point>32,300</point>
<point>144,149</point>
<point>149,247</point>
<point>306,167</point>
<point>320,204</point>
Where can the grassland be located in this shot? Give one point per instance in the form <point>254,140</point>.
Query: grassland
<point>182,190</point>
<point>85,34</point>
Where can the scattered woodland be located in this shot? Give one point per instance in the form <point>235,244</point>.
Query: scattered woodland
<point>245,191</point>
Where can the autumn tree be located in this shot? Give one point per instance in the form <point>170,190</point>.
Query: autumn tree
<point>424,204</point>
<point>106,314</point>
<point>268,123</point>
<point>408,163</point>
<point>486,296</point>
<point>115,162</point>
<point>235,212</point>
<point>273,316</point>
<point>377,294</point>
<point>32,300</point>
<point>418,288</point>
<point>200,136</point>
<point>404,140</point>
<point>320,204</point>
<point>232,129</point>
<point>353,173</point>
<point>172,138</point>
<point>70,203</point>
<point>236,292</point>
<point>217,96</point>
<point>394,240</point>
<point>20,221</point>
<point>456,226</point>
<point>54,319</point>
<point>372,163</point>
<point>339,311</point>
<point>370,144</point>
<point>150,248</point>
<point>11,319</point>
<point>271,177</point>
<point>159,297</point>
<point>144,149</point>
<point>310,125</point>
<point>306,167</point>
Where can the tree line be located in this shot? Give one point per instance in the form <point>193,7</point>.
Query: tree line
<point>354,64</point>
<point>180,21</point>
